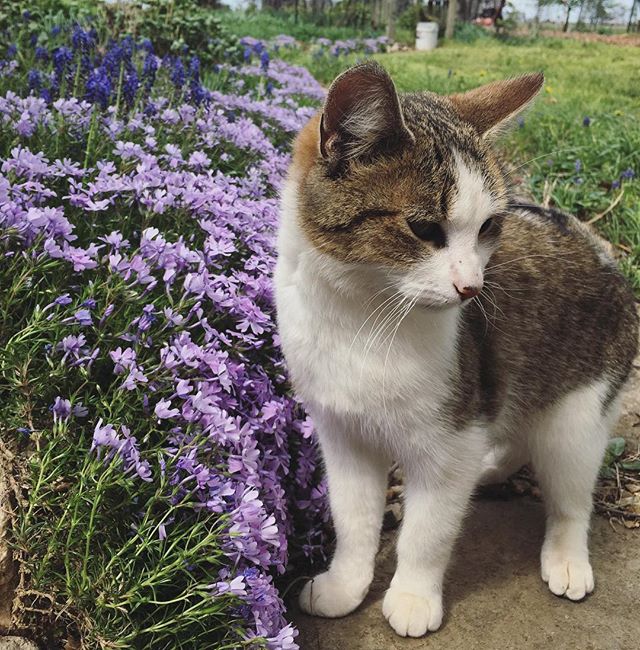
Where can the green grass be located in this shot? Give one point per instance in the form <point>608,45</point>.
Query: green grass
<point>265,25</point>
<point>594,80</point>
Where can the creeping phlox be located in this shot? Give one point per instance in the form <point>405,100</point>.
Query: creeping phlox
<point>145,202</point>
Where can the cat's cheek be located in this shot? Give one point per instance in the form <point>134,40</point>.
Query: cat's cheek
<point>430,281</point>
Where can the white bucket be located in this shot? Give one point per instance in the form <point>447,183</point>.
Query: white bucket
<point>426,36</point>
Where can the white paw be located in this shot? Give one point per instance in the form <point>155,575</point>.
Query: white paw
<point>331,596</point>
<point>412,615</point>
<point>570,577</point>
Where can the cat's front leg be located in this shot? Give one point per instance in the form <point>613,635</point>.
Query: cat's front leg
<point>438,486</point>
<point>357,476</point>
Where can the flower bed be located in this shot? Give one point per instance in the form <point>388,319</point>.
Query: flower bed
<point>170,474</point>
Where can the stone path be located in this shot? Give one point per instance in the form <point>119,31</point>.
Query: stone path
<point>494,596</point>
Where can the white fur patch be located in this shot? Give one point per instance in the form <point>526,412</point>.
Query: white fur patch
<point>462,261</point>
<point>473,202</point>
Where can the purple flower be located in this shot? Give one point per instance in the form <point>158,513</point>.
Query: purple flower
<point>628,174</point>
<point>177,73</point>
<point>61,409</point>
<point>62,56</point>
<point>264,60</point>
<point>236,586</point>
<point>166,236</point>
<point>199,160</point>
<point>63,299</point>
<point>135,377</point>
<point>34,80</point>
<point>83,316</point>
<point>104,436</point>
<point>586,121</point>
<point>79,410</point>
<point>130,86</point>
<point>163,410</point>
<point>123,359</point>
<point>98,87</point>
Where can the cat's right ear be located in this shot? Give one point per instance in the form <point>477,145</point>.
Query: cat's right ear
<point>362,115</point>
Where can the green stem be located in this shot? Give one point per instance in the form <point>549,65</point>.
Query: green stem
<point>119,95</point>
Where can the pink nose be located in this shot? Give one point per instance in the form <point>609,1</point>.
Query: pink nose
<point>468,292</point>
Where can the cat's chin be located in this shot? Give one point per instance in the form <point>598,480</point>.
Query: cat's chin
<point>437,303</point>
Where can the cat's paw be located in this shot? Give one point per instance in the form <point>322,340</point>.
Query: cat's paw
<point>566,576</point>
<point>410,614</point>
<point>331,596</point>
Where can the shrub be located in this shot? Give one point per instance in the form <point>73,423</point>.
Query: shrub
<point>470,33</point>
<point>165,466</point>
<point>176,27</point>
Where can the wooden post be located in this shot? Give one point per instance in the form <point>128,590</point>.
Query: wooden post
<point>451,18</point>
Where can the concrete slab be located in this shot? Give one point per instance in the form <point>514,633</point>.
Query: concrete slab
<point>495,598</point>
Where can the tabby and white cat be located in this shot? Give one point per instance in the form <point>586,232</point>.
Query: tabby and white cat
<point>426,319</point>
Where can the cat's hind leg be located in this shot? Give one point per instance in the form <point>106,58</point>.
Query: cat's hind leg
<point>567,444</point>
<point>502,460</point>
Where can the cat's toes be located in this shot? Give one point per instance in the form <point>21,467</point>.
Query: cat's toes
<point>569,577</point>
<point>412,615</point>
<point>331,596</point>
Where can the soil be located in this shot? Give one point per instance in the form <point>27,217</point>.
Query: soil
<point>632,40</point>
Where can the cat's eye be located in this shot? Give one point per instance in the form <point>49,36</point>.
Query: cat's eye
<point>428,231</point>
<point>486,226</point>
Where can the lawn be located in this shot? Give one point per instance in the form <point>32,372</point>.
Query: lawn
<point>579,147</point>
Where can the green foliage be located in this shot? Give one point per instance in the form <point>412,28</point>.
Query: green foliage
<point>266,25</point>
<point>172,25</point>
<point>470,33</point>
<point>411,16</point>
<point>614,450</point>
<point>63,10</point>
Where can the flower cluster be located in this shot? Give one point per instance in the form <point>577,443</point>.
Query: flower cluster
<point>365,46</point>
<point>142,207</point>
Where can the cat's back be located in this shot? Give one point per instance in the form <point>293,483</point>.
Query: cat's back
<point>555,314</point>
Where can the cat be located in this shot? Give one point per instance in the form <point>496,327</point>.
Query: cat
<point>427,318</point>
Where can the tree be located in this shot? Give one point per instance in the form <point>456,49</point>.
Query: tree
<point>633,11</point>
<point>451,18</point>
<point>568,5</point>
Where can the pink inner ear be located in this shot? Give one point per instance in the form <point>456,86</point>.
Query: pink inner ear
<point>361,106</point>
<point>326,139</point>
<point>352,89</point>
<point>490,105</point>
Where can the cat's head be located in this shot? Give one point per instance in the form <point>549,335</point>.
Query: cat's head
<point>406,186</point>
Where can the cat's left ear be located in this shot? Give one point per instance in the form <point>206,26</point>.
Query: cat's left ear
<point>491,108</point>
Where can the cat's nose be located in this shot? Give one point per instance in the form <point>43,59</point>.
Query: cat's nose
<point>466,293</point>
